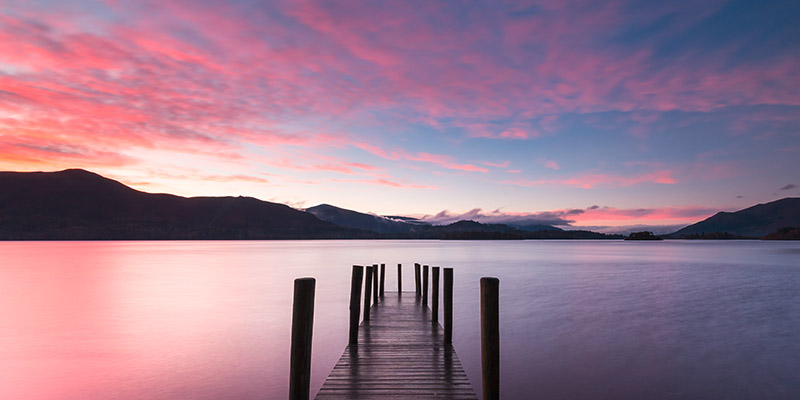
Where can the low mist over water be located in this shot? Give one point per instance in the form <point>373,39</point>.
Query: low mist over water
<point>579,319</point>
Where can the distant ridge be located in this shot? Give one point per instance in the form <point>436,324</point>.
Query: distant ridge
<point>357,220</point>
<point>472,230</point>
<point>535,227</point>
<point>75,204</point>
<point>395,227</point>
<point>755,221</point>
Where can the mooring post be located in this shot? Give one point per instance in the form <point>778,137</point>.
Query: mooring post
<point>302,328</point>
<point>355,301</point>
<point>435,295</point>
<point>417,283</point>
<point>399,279</point>
<point>375,284</point>
<point>383,276</point>
<point>367,292</point>
<point>424,285</point>
<point>490,337</point>
<point>448,305</point>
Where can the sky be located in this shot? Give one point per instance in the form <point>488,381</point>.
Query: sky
<point>586,114</point>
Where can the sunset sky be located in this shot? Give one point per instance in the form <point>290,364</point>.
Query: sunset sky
<point>584,113</point>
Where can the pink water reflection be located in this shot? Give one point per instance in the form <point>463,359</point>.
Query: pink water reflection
<point>86,320</point>
<point>579,319</point>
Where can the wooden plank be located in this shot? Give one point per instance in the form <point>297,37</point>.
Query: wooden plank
<point>400,354</point>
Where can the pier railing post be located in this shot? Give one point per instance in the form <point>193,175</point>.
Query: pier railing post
<point>302,328</point>
<point>367,292</point>
<point>417,279</point>
<point>383,277</point>
<point>375,283</point>
<point>424,285</point>
<point>399,279</point>
<point>435,295</point>
<point>490,338</point>
<point>355,301</point>
<point>448,305</point>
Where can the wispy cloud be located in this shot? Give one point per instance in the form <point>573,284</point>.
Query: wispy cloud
<point>549,164</point>
<point>503,164</point>
<point>591,180</point>
<point>445,161</point>
<point>386,182</point>
<point>431,88</point>
<point>442,160</point>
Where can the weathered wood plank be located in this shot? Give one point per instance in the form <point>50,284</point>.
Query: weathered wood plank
<point>400,354</point>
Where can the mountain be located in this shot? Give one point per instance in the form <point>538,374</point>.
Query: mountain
<point>755,221</point>
<point>535,227</point>
<point>471,230</point>
<point>357,220</point>
<point>75,204</point>
<point>79,205</point>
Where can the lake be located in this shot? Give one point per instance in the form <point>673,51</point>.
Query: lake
<point>579,319</point>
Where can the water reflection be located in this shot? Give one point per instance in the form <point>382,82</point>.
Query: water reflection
<point>209,320</point>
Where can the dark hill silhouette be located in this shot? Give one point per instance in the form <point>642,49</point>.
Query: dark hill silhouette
<point>357,220</point>
<point>80,205</point>
<point>472,226</point>
<point>785,233</point>
<point>755,221</point>
<point>533,227</point>
<point>471,230</point>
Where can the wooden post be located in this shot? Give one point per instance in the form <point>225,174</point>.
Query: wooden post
<point>435,295</point>
<point>448,305</point>
<point>302,328</point>
<point>367,292</point>
<point>490,337</point>
<point>383,276</point>
<point>424,285</point>
<point>417,280</point>
<point>399,279</point>
<point>375,284</point>
<point>355,301</point>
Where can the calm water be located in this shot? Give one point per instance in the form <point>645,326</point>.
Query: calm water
<point>579,319</point>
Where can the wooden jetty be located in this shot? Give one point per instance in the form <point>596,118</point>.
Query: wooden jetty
<point>399,351</point>
<point>400,354</point>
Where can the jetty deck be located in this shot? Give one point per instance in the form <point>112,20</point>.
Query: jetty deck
<point>400,354</point>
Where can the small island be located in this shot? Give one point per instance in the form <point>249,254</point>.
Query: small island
<point>644,235</point>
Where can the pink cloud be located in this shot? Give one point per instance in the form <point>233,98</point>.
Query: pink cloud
<point>98,89</point>
<point>514,133</point>
<point>385,182</point>
<point>445,162</point>
<point>377,151</point>
<point>549,164</point>
<point>689,214</point>
<point>311,162</point>
<point>441,160</point>
<point>503,164</point>
<point>591,180</point>
<point>382,48</point>
<point>234,178</point>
